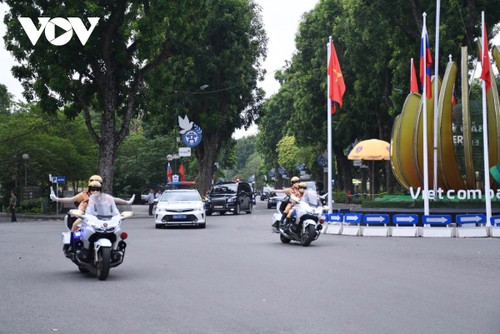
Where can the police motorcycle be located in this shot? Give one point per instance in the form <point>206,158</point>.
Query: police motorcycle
<point>306,221</point>
<point>99,243</point>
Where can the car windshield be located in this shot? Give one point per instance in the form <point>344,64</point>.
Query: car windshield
<point>224,189</point>
<point>180,196</point>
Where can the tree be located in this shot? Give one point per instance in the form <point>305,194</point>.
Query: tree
<point>54,145</point>
<point>287,153</point>
<point>142,163</point>
<point>103,78</point>
<point>374,43</point>
<point>272,125</point>
<point>227,57</point>
<point>5,100</point>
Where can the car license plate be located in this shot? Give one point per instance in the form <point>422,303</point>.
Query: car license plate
<point>218,206</point>
<point>180,216</point>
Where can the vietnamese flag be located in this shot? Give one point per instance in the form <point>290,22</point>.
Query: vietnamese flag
<point>181,172</point>
<point>485,61</point>
<point>413,78</point>
<point>336,80</point>
<point>169,173</point>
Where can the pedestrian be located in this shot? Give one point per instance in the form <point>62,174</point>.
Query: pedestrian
<point>12,206</point>
<point>157,195</point>
<point>151,201</point>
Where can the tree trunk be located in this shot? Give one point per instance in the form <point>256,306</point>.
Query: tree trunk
<point>206,154</point>
<point>107,155</point>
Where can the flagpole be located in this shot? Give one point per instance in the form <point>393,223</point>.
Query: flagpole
<point>436,94</point>
<point>485,129</point>
<point>329,129</point>
<point>425,193</point>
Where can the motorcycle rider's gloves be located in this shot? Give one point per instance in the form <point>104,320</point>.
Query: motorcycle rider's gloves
<point>131,200</point>
<point>53,195</point>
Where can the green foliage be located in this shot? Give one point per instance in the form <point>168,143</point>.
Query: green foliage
<point>287,153</point>
<point>5,100</point>
<point>34,206</point>
<point>374,42</point>
<point>54,144</point>
<point>225,53</point>
<point>105,76</point>
<point>244,148</point>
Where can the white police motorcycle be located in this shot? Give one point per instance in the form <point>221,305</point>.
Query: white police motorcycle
<point>305,224</point>
<point>99,243</point>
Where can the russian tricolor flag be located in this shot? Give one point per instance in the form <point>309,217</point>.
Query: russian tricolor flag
<point>425,62</point>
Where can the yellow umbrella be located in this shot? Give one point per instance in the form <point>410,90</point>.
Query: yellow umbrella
<point>371,149</point>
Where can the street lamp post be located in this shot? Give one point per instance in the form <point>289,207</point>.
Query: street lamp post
<point>25,158</point>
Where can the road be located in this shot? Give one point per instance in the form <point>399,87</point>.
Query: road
<point>235,276</point>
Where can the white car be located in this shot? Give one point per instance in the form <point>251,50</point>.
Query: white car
<point>180,207</point>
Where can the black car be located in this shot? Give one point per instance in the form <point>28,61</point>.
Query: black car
<point>230,196</point>
<point>265,193</point>
<point>274,199</point>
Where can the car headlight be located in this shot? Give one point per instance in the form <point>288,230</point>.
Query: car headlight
<point>232,199</point>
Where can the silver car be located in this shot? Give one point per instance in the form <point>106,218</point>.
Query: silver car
<point>180,207</point>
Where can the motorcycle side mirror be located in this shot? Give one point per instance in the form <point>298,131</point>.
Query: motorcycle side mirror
<point>127,214</point>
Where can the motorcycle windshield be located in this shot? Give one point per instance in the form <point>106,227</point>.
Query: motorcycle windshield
<point>310,197</point>
<point>102,205</point>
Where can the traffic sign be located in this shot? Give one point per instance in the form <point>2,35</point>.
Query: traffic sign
<point>477,218</point>
<point>436,220</point>
<point>376,219</point>
<point>353,217</point>
<point>184,151</point>
<point>58,179</point>
<point>495,220</point>
<point>335,217</point>
<point>405,219</point>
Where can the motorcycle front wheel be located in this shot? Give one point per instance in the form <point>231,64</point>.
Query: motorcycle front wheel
<point>308,236</point>
<point>103,263</point>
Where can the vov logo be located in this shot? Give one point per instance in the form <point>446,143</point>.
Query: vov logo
<point>49,26</point>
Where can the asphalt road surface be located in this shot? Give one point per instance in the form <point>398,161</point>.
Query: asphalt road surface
<point>235,276</point>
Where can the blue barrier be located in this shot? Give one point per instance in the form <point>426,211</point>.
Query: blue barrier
<point>405,219</point>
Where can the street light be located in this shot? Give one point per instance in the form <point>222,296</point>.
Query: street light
<point>25,158</point>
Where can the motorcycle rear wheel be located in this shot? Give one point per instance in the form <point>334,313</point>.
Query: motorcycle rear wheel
<point>103,263</point>
<point>308,236</point>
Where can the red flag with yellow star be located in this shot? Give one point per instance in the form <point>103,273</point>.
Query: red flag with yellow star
<point>336,80</point>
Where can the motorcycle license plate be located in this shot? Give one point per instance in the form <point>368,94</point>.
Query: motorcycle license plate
<point>180,216</point>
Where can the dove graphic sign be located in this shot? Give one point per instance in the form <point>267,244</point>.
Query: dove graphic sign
<point>67,25</point>
<point>190,133</point>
